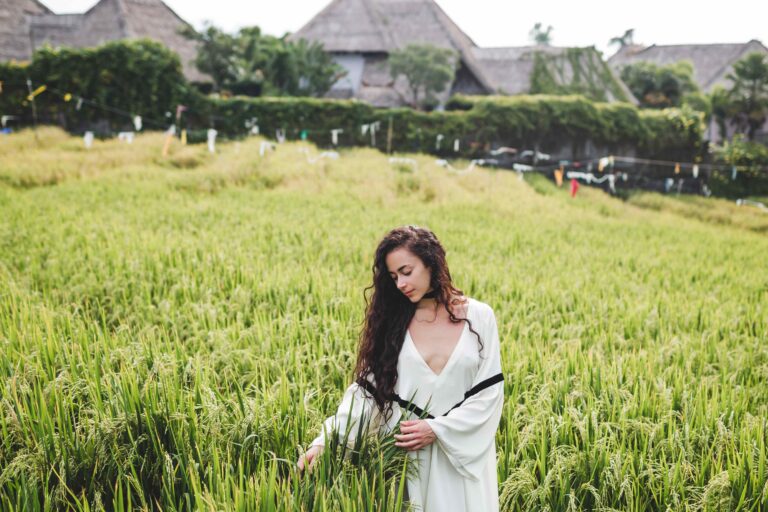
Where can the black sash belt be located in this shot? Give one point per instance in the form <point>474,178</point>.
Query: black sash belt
<point>421,413</point>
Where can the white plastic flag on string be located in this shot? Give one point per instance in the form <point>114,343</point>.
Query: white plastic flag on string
<point>126,137</point>
<point>171,130</point>
<point>364,129</point>
<point>79,104</point>
<point>456,145</point>
<point>695,170</point>
<point>280,135</point>
<point>252,124</point>
<point>335,136</point>
<point>265,146</point>
<point>4,120</point>
<point>438,140</point>
<point>88,139</point>
<point>374,128</point>
<point>137,123</point>
<point>212,140</point>
<point>734,172</point>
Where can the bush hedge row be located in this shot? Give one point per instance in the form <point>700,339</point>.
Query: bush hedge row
<point>141,77</point>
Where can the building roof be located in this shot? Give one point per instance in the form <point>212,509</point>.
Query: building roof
<point>711,62</point>
<point>383,26</point>
<point>111,20</point>
<point>375,28</point>
<point>511,68</point>
<point>15,43</point>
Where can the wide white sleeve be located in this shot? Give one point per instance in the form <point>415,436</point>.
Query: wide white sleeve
<point>357,415</point>
<point>467,432</point>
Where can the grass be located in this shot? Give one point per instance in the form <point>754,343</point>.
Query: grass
<point>174,330</point>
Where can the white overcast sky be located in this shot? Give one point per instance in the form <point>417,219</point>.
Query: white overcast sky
<point>507,23</point>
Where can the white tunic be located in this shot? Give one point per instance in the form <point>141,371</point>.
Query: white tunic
<point>458,471</point>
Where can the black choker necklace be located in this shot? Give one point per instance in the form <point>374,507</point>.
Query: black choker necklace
<point>429,295</point>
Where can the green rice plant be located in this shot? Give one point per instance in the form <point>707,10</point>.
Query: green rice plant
<point>172,338</point>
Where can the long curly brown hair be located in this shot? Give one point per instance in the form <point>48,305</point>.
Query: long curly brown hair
<point>389,312</point>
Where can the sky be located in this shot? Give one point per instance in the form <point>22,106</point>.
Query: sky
<point>505,23</point>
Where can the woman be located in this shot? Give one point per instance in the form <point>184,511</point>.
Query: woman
<point>426,345</point>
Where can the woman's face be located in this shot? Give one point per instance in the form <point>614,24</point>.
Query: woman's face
<point>408,272</point>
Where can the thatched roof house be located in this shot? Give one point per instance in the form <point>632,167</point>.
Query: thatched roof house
<point>516,70</point>
<point>360,34</point>
<point>108,20</point>
<point>711,62</point>
<point>15,16</point>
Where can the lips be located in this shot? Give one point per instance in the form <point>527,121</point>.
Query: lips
<point>409,293</point>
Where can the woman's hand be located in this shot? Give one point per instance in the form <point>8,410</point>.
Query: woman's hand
<point>310,457</point>
<point>414,435</point>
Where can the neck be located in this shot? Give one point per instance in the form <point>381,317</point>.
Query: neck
<point>426,304</point>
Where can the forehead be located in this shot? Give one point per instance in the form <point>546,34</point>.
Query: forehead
<point>399,257</point>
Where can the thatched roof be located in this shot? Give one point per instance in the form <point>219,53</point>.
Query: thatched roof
<point>375,28</point>
<point>382,26</point>
<point>15,43</point>
<point>711,62</point>
<point>510,69</point>
<point>111,20</point>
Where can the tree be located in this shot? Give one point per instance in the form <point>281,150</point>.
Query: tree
<point>626,40</point>
<point>722,107</point>
<point>316,70</point>
<point>254,63</point>
<point>216,54</point>
<point>428,69</point>
<point>749,94</point>
<point>540,36</point>
<point>659,86</point>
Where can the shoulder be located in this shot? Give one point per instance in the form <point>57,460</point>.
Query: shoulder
<point>480,309</point>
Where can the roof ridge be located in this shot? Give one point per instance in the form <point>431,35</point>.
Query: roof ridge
<point>721,69</point>
<point>465,53</point>
<point>318,15</point>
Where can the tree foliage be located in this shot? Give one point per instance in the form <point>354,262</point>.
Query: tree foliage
<point>428,69</point>
<point>659,86</point>
<point>255,64</point>
<point>624,40</point>
<point>749,94</point>
<point>541,36</point>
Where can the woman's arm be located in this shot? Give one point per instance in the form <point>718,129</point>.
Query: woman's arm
<point>468,431</point>
<point>356,415</point>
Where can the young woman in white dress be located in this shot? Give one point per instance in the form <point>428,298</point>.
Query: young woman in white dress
<point>426,351</point>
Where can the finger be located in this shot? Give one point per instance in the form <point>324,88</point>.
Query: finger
<point>404,437</point>
<point>409,444</point>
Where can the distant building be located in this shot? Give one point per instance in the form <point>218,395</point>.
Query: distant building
<point>31,25</point>
<point>15,32</point>
<point>711,62</point>
<point>711,65</point>
<point>360,34</point>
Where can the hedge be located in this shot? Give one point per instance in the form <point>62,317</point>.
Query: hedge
<point>135,77</point>
<point>142,77</point>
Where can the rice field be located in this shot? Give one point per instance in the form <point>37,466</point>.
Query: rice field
<point>173,330</point>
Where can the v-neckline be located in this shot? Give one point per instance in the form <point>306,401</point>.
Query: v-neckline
<point>453,352</point>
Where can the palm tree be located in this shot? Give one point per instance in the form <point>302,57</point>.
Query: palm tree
<point>626,40</point>
<point>540,36</point>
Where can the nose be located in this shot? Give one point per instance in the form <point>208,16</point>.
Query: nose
<point>400,283</point>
